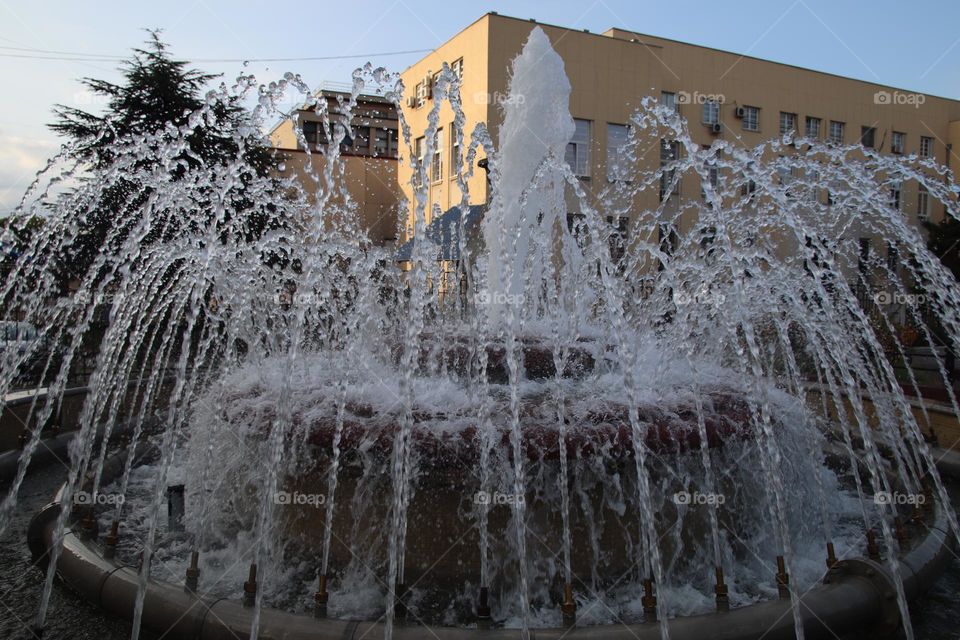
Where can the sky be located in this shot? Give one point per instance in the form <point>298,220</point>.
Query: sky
<point>46,47</point>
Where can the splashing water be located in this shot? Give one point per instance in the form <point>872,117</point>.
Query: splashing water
<point>718,348</point>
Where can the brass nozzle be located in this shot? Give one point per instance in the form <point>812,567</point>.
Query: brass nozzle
<point>250,587</point>
<point>193,573</point>
<point>88,525</point>
<point>723,597</point>
<point>110,542</point>
<point>783,579</point>
<point>831,556</point>
<point>569,607</point>
<point>649,601</point>
<point>321,597</point>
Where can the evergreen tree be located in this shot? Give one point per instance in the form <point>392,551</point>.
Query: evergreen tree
<point>157,91</point>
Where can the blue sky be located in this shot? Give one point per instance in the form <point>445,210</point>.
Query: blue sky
<point>911,44</point>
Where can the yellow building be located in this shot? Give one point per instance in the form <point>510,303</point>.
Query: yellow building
<point>721,94</point>
<point>368,159</point>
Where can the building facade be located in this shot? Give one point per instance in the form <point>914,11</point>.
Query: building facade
<point>368,159</point>
<point>721,95</point>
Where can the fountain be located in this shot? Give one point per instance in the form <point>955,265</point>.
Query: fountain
<point>694,430</point>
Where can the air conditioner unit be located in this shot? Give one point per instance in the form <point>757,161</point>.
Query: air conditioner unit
<point>740,112</point>
<point>412,101</point>
<point>716,127</point>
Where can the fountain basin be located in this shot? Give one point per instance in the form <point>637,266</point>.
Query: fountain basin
<point>854,598</point>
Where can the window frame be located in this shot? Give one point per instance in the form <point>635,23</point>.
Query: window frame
<point>923,203</point>
<point>793,127</point>
<point>894,146</point>
<point>581,149</point>
<point>712,107</point>
<point>807,127</point>
<point>751,118</point>
<point>616,172</point>
<point>838,124</point>
<point>436,161</point>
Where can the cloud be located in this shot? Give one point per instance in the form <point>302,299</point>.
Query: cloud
<point>20,159</point>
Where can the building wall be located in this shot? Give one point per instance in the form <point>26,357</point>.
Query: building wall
<point>472,46</point>
<point>370,183</point>
<point>610,73</point>
<point>368,180</point>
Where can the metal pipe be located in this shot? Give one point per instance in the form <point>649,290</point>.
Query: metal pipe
<point>110,542</point>
<point>193,574</point>
<point>250,587</point>
<point>321,598</point>
<point>783,580</point>
<point>569,608</point>
<point>723,597</point>
<point>649,602</point>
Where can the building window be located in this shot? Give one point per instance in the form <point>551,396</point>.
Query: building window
<point>618,237</point>
<point>835,134</point>
<point>868,137</point>
<point>455,135</point>
<point>360,144</point>
<point>898,142</point>
<point>895,191</point>
<point>863,260</point>
<point>893,258</point>
<point>313,133</point>
<point>751,118</point>
<point>713,174</point>
<point>420,90</point>
<point>669,153</point>
<point>436,167</point>
<point>419,148</point>
<point>669,100</point>
<point>812,128</point>
<point>923,203</point>
<point>711,112</point>
<point>617,163</point>
<point>457,68</point>
<point>668,239</point>
<point>788,123</point>
<point>385,143</point>
<point>926,147</point>
<point>578,149</point>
